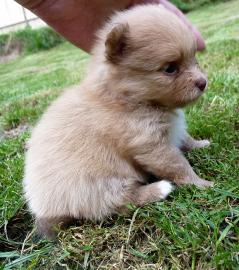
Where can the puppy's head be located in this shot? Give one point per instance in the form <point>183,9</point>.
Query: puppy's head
<point>151,57</point>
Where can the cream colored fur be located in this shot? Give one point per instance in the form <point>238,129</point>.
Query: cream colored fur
<point>91,152</point>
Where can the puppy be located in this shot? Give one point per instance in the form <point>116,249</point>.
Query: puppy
<point>90,153</point>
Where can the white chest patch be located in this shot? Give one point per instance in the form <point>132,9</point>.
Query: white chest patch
<point>178,128</point>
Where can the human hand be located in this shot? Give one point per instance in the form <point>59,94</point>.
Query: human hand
<point>78,21</point>
<point>200,41</point>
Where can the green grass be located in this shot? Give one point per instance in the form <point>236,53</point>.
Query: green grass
<point>189,5</point>
<point>193,229</point>
<point>29,40</point>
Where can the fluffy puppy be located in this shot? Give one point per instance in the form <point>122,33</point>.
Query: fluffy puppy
<point>90,153</point>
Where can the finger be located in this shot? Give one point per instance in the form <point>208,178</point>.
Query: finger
<point>199,39</point>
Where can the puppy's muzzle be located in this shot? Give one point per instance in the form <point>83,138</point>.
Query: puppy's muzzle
<point>201,84</point>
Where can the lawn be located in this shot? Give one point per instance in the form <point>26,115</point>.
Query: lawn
<point>193,229</point>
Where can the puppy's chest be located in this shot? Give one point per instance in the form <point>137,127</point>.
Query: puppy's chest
<point>178,128</point>
<point>155,128</point>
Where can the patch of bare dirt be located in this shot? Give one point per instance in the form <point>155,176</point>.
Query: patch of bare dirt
<point>6,58</point>
<point>14,132</point>
<point>11,51</point>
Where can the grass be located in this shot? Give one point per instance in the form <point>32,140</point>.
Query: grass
<point>189,5</point>
<point>193,229</point>
<point>29,40</point>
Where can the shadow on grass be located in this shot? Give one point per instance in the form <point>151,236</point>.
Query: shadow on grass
<point>13,234</point>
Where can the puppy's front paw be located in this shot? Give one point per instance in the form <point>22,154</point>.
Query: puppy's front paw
<point>197,181</point>
<point>201,183</point>
<point>202,143</point>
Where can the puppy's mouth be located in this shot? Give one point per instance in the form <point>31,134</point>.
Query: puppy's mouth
<point>198,92</point>
<point>192,96</point>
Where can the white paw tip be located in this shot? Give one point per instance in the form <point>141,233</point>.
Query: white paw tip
<point>205,142</point>
<point>165,188</point>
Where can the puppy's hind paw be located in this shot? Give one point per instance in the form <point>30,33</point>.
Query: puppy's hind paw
<point>165,188</point>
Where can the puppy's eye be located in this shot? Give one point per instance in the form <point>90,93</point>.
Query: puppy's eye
<point>171,69</point>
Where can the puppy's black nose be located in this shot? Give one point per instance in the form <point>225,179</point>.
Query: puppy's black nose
<point>201,84</point>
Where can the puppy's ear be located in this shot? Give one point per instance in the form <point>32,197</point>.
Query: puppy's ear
<point>116,43</point>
